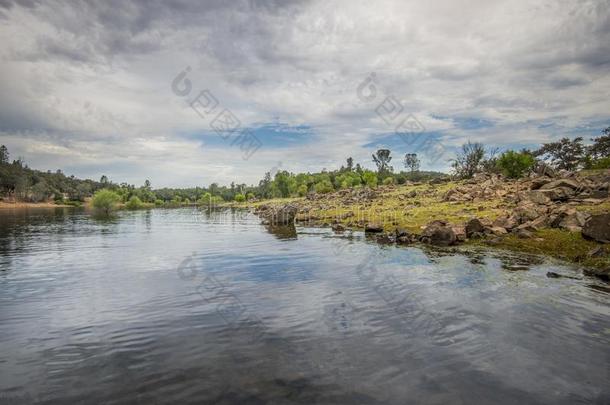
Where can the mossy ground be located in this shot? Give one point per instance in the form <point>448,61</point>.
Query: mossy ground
<point>393,209</point>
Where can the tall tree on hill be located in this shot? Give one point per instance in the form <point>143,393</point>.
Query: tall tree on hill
<point>350,164</point>
<point>601,146</point>
<point>3,155</point>
<point>411,162</point>
<point>382,159</point>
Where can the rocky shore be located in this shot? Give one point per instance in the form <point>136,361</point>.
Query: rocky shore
<point>564,214</point>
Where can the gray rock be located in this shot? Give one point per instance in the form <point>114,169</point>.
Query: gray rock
<point>474,226</point>
<point>373,227</point>
<point>569,183</point>
<point>438,233</point>
<point>597,227</point>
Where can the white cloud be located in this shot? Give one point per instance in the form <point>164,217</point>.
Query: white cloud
<point>92,79</point>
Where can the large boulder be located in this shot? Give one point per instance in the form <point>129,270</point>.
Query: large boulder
<point>569,183</point>
<point>474,226</point>
<point>535,196</point>
<point>597,227</point>
<point>558,193</point>
<point>438,233</point>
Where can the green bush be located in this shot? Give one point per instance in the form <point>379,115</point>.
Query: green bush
<point>302,190</point>
<point>370,178</point>
<point>603,163</point>
<point>515,164</point>
<point>240,198</point>
<point>105,201</point>
<point>388,181</point>
<point>323,187</point>
<point>134,203</point>
<point>159,203</point>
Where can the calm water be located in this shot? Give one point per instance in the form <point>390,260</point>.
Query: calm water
<point>186,306</point>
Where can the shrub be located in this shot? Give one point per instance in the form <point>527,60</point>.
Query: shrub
<point>388,180</point>
<point>240,197</point>
<point>370,178</point>
<point>603,163</point>
<point>325,186</point>
<point>134,203</point>
<point>159,203</point>
<point>105,201</point>
<point>515,164</point>
<point>302,190</point>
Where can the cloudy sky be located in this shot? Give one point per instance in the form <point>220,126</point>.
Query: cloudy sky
<point>94,87</point>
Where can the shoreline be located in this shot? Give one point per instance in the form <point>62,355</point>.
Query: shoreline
<point>20,205</point>
<point>513,215</point>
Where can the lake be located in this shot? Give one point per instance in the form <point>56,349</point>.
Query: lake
<point>190,306</point>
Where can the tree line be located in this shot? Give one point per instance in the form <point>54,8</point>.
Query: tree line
<point>19,182</point>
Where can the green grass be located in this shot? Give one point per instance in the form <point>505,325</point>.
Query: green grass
<point>569,246</point>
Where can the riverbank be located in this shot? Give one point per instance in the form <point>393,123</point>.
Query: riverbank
<point>542,215</point>
<point>16,205</point>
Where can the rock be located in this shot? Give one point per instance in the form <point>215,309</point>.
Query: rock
<point>373,228</point>
<point>385,238</point>
<point>412,194</point>
<point>572,221</point>
<point>603,273</point>
<point>506,222</point>
<point>498,230</point>
<point>524,234</point>
<point>528,212</point>
<point>283,215</point>
<point>558,193</point>
<point>537,197</point>
<point>599,251</point>
<point>460,233</point>
<point>597,227</point>
<point>539,182</point>
<point>569,183</point>
<point>338,228</point>
<point>542,169</point>
<point>438,233</point>
<point>401,232</point>
<point>474,225</point>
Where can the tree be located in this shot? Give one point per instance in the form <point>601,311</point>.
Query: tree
<point>104,180</point>
<point>105,201</point>
<point>565,154</point>
<point>601,146</point>
<point>382,159</point>
<point>350,164</point>
<point>411,162</point>
<point>4,155</point>
<point>515,164</point>
<point>469,160</point>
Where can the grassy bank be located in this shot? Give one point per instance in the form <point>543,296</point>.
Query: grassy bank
<point>411,207</point>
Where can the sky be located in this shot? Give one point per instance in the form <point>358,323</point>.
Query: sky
<point>186,93</point>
